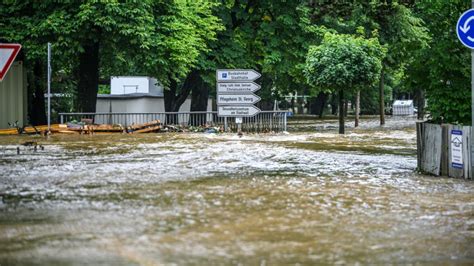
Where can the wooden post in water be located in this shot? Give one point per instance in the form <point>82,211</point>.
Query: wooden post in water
<point>445,141</point>
<point>419,144</point>
<point>432,143</point>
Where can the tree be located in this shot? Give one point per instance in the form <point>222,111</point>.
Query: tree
<point>183,39</point>
<point>443,69</point>
<point>78,32</point>
<point>343,63</point>
<point>158,38</point>
<point>270,36</point>
<point>400,30</point>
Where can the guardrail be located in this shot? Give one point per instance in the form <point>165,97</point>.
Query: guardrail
<point>265,121</point>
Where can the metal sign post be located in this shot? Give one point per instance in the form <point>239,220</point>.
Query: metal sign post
<point>238,121</point>
<point>465,32</point>
<point>472,112</point>
<point>49,87</point>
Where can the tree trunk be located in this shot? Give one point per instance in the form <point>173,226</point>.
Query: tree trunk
<point>346,108</point>
<point>36,83</point>
<point>317,107</point>
<point>300,104</point>
<point>88,74</point>
<point>421,104</point>
<point>382,96</point>
<point>292,104</point>
<point>334,104</point>
<point>341,112</point>
<point>199,96</point>
<point>199,100</point>
<point>170,96</point>
<point>176,95</point>
<point>357,108</point>
<point>323,105</point>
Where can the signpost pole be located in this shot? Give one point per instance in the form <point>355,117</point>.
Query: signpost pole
<point>49,87</point>
<point>239,128</point>
<point>472,109</point>
<point>465,36</point>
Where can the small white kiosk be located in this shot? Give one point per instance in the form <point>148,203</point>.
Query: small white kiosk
<point>404,107</point>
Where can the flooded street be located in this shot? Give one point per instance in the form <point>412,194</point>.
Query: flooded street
<point>307,197</point>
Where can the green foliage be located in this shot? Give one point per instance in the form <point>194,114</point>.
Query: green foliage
<point>181,35</point>
<point>162,38</point>
<point>304,46</point>
<point>443,69</point>
<point>344,62</point>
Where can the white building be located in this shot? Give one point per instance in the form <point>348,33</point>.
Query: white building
<point>128,85</point>
<point>142,96</point>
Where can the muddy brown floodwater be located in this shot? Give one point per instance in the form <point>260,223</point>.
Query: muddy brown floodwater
<point>310,197</point>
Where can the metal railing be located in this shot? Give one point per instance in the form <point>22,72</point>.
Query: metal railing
<point>265,121</point>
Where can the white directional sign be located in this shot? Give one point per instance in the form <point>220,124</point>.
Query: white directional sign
<point>236,75</point>
<point>228,99</point>
<point>8,52</point>
<point>238,111</point>
<point>456,149</point>
<point>235,89</point>
<point>229,87</point>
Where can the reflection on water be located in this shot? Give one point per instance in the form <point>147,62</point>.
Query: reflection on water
<point>308,197</point>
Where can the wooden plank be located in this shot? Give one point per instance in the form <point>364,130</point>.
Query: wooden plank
<point>68,132</point>
<point>9,131</point>
<point>33,130</point>
<point>432,149</point>
<point>454,172</point>
<point>445,150</point>
<point>469,154</point>
<point>466,136</point>
<point>140,126</point>
<point>419,146</point>
<point>148,130</point>
<point>102,128</point>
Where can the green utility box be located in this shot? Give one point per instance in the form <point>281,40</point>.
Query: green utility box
<point>13,96</point>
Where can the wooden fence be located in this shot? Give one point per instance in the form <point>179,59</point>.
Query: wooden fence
<point>434,152</point>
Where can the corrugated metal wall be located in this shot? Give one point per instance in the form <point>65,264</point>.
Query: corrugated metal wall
<point>13,98</point>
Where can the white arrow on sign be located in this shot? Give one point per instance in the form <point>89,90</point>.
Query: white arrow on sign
<point>230,75</point>
<point>227,87</point>
<point>237,111</point>
<point>8,53</point>
<point>466,28</point>
<point>224,99</point>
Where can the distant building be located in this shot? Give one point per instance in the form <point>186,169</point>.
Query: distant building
<point>130,85</point>
<point>404,107</point>
<point>136,95</point>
